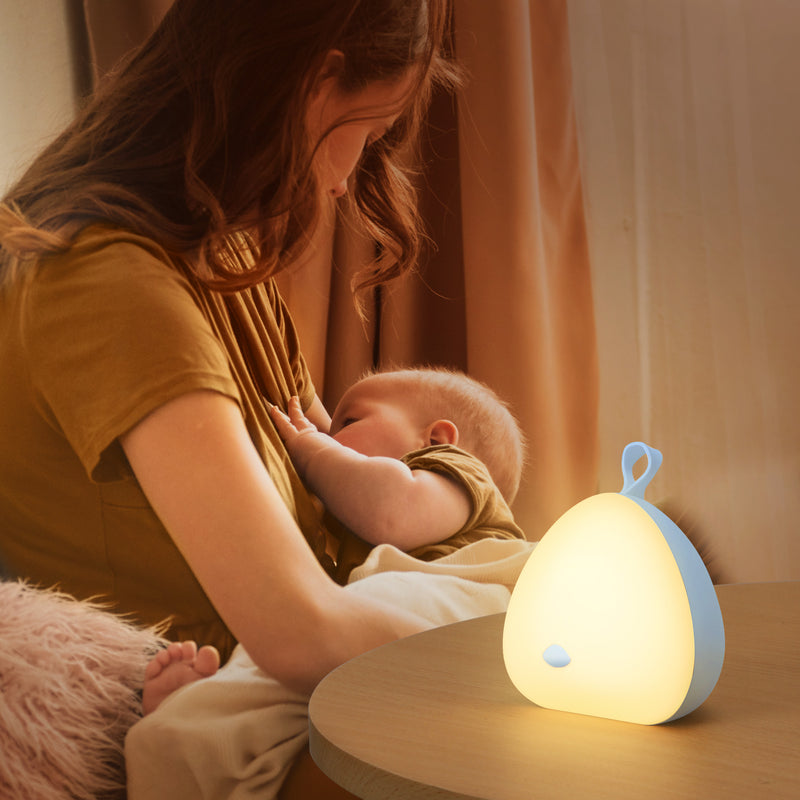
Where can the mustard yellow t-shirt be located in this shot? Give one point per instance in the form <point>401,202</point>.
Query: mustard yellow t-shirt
<point>99,337</point>
<point>490,518</point>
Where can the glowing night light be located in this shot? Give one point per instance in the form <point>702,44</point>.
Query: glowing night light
<point>614,614</point>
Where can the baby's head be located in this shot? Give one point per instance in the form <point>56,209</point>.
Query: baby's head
<point>394,412</point>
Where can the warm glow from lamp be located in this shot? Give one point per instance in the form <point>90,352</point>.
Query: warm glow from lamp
<point>614,614</point>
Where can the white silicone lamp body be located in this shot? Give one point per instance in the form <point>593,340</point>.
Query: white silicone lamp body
<point>614,614</point>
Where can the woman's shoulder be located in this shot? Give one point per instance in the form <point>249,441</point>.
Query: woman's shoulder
<point>110,279</point>
<point>107,260</point>
<point>107,244</point>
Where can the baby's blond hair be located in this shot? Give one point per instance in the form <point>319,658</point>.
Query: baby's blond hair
<point>487,428</point>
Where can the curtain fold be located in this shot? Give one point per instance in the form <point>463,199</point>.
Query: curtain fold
<point>530,326</point>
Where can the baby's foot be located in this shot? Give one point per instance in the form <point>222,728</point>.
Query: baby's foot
<point>176,665</point>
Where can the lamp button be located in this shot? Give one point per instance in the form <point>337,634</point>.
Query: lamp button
<point>556,656</point>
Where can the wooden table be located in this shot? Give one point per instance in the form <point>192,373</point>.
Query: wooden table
<point>435,716</point>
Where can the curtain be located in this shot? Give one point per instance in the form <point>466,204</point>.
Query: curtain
<point>529,320</point>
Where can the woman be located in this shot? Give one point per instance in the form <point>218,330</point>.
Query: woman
<point>142,336</point>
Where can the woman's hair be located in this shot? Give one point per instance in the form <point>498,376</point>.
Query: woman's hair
<point>487,429</point>
<point>198,140</point>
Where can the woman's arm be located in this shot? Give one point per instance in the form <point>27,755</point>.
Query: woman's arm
<point>379,499</point>
<point>203,477</point>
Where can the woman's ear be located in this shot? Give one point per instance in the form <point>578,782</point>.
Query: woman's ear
<point>332,67</point>
<point>443,431</point>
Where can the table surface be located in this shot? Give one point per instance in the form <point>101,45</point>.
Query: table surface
<point>436,716</point>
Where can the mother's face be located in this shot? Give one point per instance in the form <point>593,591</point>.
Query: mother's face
<point>353,121</point>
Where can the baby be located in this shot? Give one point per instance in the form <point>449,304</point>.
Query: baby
<point>427,460</point>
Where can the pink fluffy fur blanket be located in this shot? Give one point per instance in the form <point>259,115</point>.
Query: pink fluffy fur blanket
<point>70,675</point>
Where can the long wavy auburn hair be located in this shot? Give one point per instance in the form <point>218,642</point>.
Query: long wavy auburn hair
<point>198,141</point>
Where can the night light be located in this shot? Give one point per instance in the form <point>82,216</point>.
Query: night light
<point>614,615</point>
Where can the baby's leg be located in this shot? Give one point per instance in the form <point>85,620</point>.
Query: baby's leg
<point>175,666</point>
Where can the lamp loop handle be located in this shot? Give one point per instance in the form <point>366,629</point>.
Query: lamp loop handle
<point>635,487</point>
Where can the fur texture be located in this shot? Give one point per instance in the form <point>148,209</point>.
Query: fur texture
<point>70,680</point>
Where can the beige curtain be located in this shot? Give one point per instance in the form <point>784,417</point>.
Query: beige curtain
<point>529,320</point>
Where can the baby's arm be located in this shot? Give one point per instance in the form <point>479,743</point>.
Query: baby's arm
<point>380,499</point>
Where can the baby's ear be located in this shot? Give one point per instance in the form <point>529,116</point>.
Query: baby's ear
<point>443,431</point>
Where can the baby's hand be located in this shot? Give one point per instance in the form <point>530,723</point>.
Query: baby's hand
<point>300,435</point>
<point>293,424</point>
